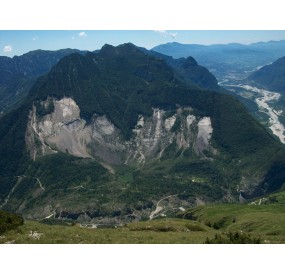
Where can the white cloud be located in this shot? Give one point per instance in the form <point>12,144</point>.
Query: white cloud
<point>7,49</point>
<point>35,38</point>
<point>82,34</point>
<point>166,33</point>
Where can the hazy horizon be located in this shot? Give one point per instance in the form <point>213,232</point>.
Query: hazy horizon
<point>14,43</point>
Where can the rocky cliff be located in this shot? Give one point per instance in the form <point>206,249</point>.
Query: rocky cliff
<point>64,130</point>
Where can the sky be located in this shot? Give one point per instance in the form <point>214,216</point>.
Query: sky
<point>19,42</point>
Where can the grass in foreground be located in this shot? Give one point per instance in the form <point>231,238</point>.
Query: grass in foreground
<point>227,223</point>
<point>151,232</point>
<point>266,222</point>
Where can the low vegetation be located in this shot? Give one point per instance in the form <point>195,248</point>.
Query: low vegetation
<point>233,238</point>
<point>9,221</point>
<point>213,224</point>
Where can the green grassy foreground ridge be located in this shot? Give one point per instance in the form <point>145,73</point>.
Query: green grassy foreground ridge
<point>222,223</point>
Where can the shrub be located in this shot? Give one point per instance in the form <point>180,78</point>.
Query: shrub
<point>233,238</point>
<point>9,221</point>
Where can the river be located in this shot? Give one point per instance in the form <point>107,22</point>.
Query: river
<point>263,98</point>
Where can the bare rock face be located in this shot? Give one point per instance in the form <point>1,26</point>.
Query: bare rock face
<point>205,131</point>
<point>169,122</point>
<point>64,130</point>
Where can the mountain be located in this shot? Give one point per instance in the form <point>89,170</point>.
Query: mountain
<point>190,71</point>
<point>223,52</point>
<point>226,60</point>
<point>18,74</point>
<point>271,76</point>
<point>104,136</point>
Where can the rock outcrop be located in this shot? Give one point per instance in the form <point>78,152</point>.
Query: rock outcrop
<point>64,130</point>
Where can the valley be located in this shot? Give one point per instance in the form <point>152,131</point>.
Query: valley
<point>266,102</point>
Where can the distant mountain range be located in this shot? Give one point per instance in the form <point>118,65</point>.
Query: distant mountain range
<point>224,59</point>
<point>271,76</point>
<point>105,135</point>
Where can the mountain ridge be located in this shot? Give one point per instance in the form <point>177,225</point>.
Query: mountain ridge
<point>18,74</point>
<point>190,71</point>
<point>223,60</point>
<point>271,76</point>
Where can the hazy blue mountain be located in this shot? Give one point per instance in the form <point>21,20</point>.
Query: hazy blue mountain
<point>226,59</point>
<point>271,76</point>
